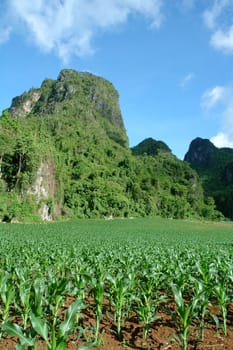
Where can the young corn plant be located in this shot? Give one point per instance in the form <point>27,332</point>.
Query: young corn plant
<point>220,292</point>
<point>185,313</point>
<point>23,302</point>
<point>25,339</point>
<point>56,337</point>
<point>55,298</point>
<point>148,300</point>
<point>146,309</point>
<point>202,293</point>
<point>37,296</point>
<point>81,280</point>
<point>120,288</point>
<point>98,294</point>
<point>7,295</point>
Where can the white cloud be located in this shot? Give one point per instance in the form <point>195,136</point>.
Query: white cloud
<point>223,40</point>
<point>212,14</point>
<point>222,140</point>
<point>186,80</point>
<point>221,96</point>
<point>219,19</point>
<point>213,96</point>
<point>67,27</point>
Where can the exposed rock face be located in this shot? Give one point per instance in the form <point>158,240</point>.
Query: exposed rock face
<point>44,189</point>
<point>215,169</point>
<point>23,105</point>
<point>78,94</point>
<point>69,156</point>
<point>100,93</point>
<point>201,152</point>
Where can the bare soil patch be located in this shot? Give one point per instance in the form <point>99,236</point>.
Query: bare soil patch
<point>160,337</point>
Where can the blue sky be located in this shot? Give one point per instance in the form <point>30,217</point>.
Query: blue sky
<point>170,60</point>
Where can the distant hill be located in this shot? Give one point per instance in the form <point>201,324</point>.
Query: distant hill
<point>150,147</point>
<point>215,168</point>
<point>64,154</point>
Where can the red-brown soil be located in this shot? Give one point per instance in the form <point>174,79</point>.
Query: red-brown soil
<point>161,335</point>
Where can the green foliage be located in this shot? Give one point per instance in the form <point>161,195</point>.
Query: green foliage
<point>150,147</point>
<point>214,167</point>
<point>64,282</point>
<point>12,207</point>
<point>68,138</point>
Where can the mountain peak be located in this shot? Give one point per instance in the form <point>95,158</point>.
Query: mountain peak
<point>150,147</point>
<point>215,169</point>
<point>201,152</point>
<point>65,152</point>
<point>75,94</point>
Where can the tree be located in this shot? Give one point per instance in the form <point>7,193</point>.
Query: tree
<point>8,127</point>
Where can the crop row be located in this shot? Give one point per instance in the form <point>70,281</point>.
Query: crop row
<point>48,286</point>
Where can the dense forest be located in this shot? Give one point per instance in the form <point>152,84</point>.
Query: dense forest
<point>64,154</point>
<point>215,169</point>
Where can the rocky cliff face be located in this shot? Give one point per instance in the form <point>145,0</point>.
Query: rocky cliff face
<point>201,153</point>
<point>64,151</point>
<point>215,168</point>
<point>44,189</point>
<point>77,112</point>
<point>23,105</point>
<point>78,94</point>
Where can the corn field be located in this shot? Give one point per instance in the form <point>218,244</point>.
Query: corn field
<point>66,285</point>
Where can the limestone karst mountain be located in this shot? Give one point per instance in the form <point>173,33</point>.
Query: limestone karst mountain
<point>64,153</point>
<point>215,168</point>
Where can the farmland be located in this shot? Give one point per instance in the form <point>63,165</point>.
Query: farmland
<point>117,284</point>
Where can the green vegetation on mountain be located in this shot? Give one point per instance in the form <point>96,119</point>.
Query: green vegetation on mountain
<point>150,147</point>
<point>215,168</point>
<point>64,153</point>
